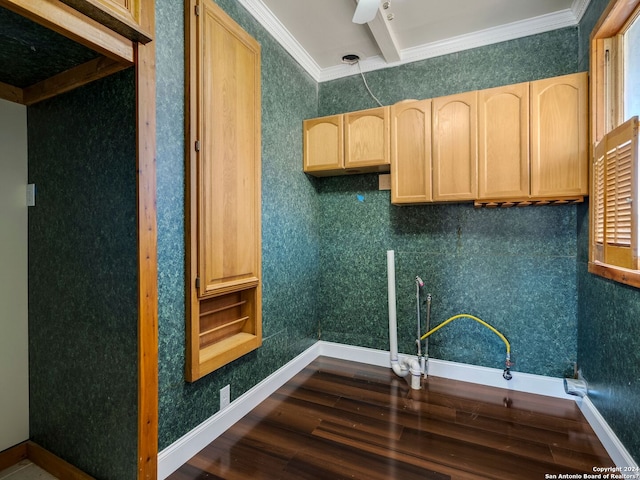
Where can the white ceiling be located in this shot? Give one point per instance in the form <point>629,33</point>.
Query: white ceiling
<point>318,33</point>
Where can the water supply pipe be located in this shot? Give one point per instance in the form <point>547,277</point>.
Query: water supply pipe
<point>507,371</point>
<point>419,285</point>
<point>401,367</point>
<point>425,357</point>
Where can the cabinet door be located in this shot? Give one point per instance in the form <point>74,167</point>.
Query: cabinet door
<point>503,142</point>
<point>559,136</point>
<point>323,145</point>
<point>411,152</point>
<point>366,138</point>
<point>455,147</point>
<point>229,166</point>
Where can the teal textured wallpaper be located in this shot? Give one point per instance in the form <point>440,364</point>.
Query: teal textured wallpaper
<point>608,327</point>
<point>514,268</point>
<point>325,240</point>
<point>83,299</point>
<point>529,58</point>
<point>290,210</point>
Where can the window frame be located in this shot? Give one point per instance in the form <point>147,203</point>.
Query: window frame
<point>606,108</point>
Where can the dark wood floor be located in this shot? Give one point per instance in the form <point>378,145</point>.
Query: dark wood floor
<point>346,420</point>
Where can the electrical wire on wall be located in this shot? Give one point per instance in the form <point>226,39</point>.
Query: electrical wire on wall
<point>353,59</point>
<point>367,86</point>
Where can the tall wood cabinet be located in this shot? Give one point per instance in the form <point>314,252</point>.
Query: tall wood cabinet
<point>223,210</point>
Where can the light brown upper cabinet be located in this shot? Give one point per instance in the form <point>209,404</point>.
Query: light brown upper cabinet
<point>411,152</point>
<point>455,147</point>
<point>366,140</point>
<point>503,142</point>
<point>223,210</point>
<point>355,142</point>
<point>559,131</point>
<point>323,152</point>
<point>517,144</point>
<point>122,16</point>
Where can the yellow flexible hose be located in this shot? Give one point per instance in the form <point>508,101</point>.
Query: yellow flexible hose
<point>481,322</point>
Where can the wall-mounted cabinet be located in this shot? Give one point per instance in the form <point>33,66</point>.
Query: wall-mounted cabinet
<point>323,146</point>
<point>503,141</point>
<point>355,142</point>
<point>540,157</point>
<point>224,318</point>
<point>559,128</point>
<point>411,152</point>
<point>122,16</point>
<point>454,146</point>
<point>517,144</point>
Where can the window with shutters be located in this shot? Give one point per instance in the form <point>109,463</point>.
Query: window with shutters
<point>615,216</point>
<point>614,194</point>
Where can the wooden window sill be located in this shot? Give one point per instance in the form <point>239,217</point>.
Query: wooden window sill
<point>618,274</point>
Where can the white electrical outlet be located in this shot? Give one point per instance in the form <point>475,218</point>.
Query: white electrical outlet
<point>225,396</point>
<point>31,195</point>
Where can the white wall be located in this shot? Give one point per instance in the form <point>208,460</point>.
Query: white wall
<point>14,360</point>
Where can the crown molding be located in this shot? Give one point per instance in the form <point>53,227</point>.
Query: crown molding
<point>268,20</point>
<point>579,7</point>
<point>564,18</point>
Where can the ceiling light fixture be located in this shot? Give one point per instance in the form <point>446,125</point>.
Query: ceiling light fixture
<point>350,58</point>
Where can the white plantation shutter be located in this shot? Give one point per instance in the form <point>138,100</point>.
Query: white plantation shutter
<point>615,191</point>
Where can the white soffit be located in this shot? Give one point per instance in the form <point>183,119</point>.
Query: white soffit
<point>539,24</point>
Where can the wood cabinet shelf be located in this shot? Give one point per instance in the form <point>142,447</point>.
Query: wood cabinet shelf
<point>220,352</point>
<point>228,325</point>
<point>222,309</point>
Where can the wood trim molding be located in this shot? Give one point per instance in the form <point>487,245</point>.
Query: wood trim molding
<point>11,93</point>
<point>53,464</point>
<point>73,78</point>
<point>610,21</point>
<point>147,263</point>
<point>13,455</point>
<point>70,23</point>
<point>147,251</point>
<point>42,458</point>
<point>618,274</point>
<point>63,82</point>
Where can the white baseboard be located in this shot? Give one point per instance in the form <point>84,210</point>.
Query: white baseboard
<point>492,377</point>
<point>614,447</point>
<point>179,452</point>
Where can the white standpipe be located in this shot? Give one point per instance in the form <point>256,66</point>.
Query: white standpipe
<point>405,366</point>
